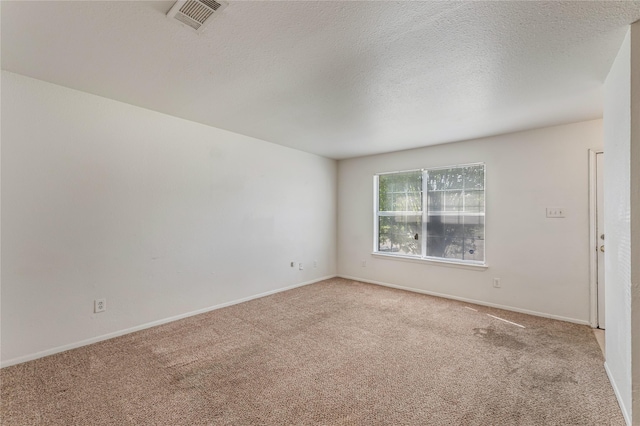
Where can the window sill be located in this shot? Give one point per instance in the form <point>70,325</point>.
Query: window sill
<point>470,266</point>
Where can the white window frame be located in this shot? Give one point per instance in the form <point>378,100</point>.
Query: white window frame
<point>472,264</point>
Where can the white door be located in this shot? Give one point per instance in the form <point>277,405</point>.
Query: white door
<point>600,235</point>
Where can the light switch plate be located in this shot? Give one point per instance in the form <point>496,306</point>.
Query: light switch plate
<point>555,212</point>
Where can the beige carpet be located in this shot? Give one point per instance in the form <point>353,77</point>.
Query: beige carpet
<point>332,353</point>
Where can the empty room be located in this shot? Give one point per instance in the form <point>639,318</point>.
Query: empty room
<point>320,213</point>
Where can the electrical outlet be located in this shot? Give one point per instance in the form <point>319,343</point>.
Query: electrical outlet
<point>363,263</point>
<point>315,263</point>
<point>555,212</point>
<point>496,283</point>
<point>300,267</point>
<point>99,305</point>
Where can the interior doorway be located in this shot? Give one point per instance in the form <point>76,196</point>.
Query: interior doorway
<point>597,238</point>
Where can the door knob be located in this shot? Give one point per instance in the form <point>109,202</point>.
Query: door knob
<point>602,248</point>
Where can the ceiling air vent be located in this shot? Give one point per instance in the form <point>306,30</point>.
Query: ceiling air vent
<point>196,13</point>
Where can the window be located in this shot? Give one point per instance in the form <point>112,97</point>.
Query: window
<point>435,214</point>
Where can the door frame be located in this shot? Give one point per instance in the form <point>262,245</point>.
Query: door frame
<point>593,238</point>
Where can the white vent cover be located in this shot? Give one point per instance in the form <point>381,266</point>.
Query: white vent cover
<point>196,13</point>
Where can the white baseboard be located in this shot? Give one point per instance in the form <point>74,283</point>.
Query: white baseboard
<point>616,391</point>
<point>107,336</point>
<point>474,301</point>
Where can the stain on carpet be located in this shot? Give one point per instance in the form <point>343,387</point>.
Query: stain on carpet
<point>493,337</point>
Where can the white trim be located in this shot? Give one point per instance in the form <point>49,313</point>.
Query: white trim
<point>376,205</point>
<point>467,300</point>
<point>432,261</point>
<point>625,413</point>
<point>108,336</point>
<point>593,240</point>
<point>431,168</point>
<point>398,171</point>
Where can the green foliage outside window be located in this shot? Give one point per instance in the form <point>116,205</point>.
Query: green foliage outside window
<point>400,192</point>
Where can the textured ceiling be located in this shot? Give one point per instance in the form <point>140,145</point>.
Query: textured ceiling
<point>338,79</point>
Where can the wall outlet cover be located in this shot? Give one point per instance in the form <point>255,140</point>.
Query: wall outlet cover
<point>99,305</point>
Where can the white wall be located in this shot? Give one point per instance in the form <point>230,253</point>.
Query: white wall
<point>158,215</point>
<point>622,224</point>
<point>618,255</point>
<point>635,218</point>
<point>543,263</point>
